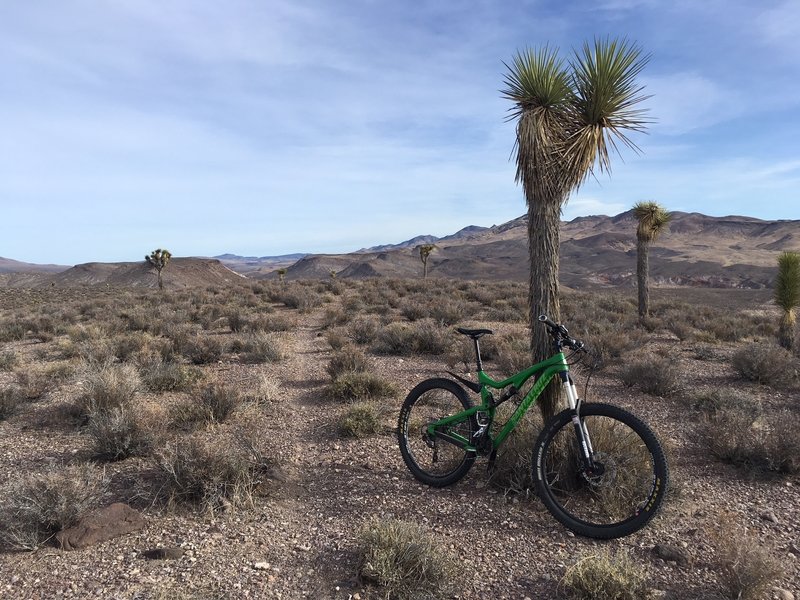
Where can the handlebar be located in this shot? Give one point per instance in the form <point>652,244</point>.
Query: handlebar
<point>561,335</point>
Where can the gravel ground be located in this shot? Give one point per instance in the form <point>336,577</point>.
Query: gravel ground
<point>300,538</point>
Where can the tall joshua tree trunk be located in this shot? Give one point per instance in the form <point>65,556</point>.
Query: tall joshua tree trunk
<point>642,276</point>
<point>544,219</point>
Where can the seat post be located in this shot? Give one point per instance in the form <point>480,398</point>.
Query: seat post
<point>478,353</point>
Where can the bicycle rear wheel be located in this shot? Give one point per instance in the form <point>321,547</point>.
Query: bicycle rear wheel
<point>431,459</point>
<point>628,485</point>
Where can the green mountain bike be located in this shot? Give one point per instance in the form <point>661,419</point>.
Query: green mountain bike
<point>598,468</point>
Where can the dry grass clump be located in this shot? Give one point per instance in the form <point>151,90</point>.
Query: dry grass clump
<point>202,350</point>
<point>109,386</point>
<point>159,375</point>
<point>213,403</point>
<point>11,330</point>
<point>363,330</point>
<point>347,360</point>
<point>404,561</point>
<point>354,386</point>
<point>605,576</point>
<point>512,470</point>
<point>744,567</point>
<point>653,375</point>
<point>8,360</point>
<point>120,432</point>
<point>745,438</point>
<point>303,299</point>
<point>263,347</point>
<point>402,339</point>
<point>360,420</point>
<point>35,507</point>
<point>766,364</point>
<point>10,399</point>
<point>220,473</point>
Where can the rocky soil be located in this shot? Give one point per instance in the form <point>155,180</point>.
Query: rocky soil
<point>299,540</point>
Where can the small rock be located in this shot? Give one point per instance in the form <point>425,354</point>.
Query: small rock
<point>261,566</point>
<point>101,525</point>
<point>164,553</point>
<point>770,516</point>
<point>671,553</point>
<point>782,594</point>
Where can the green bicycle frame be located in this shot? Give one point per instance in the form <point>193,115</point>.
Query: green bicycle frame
<point>547,369</point>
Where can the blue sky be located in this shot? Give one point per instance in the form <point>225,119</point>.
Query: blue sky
<point>264,127</point>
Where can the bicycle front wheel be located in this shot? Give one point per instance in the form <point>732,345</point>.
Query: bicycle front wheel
<point>429,458</point>
<point>624,490</point>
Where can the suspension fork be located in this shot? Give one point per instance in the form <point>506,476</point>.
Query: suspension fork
<point>582,433</point>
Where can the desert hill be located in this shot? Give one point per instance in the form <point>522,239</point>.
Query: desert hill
<point>697,250</point>
<point>179,273</point>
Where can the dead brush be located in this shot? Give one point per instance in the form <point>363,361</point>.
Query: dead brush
<point>213,403</point>
<point>121,432</point>
<point>35,507</point>
<point>404,561</point>
<point>745,569</point>
<point>605,576</point>
<point>108,386</point>
<point>217,474</point>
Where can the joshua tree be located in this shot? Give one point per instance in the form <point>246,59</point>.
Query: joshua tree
<point>158,259</point>
<point>333,273</point>
<point>787,296</point>
<point>281,274</point>
<point>424,253</point>
<point>652,218</point>
<point>570,117</point>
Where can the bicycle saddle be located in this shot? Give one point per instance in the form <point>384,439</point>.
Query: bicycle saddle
<point>474,333</point>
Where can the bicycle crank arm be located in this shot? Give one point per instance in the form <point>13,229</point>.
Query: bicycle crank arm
<point>456,440</point>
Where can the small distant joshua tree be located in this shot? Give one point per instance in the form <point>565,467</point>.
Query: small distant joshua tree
<point>281,274</point>
<point>787,296</point>
<point>424,253</point>
<point>653,218</point>
<point>333,273</point>
<point>158,259</point>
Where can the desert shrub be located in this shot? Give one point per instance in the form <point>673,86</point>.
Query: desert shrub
<point>202,350</point>
<point>303,299</point>
<point>653,375</point>
<point>744,567</point>
<point>10,399</point>
<point>394,339</point>
<point>219,474</point>
<point>727,399</point>
<point>512,470</point>
<point>264,390</point>
<point>161,375</point>
<point>511,354</point>
<point>414,310</point>
<point>347,360</point>
<point>334,317</point>
<point>442,310</point>
<point>405,561</point>
<point>263,347</point>
<point>270,324</point>
<point>765,364</point>
<point>505,312</point>
<point>35,507</point>
<point>33,382</point>
<point>236,320</point>
<point>213,403</point>
<point>8,360</point>
<point>127,345</point>
<point>761,443</point>
<point>427,338</point>
<point>11,330</point>
<point>360,420</point>
<point>351,387</point>
<point>109,386</point>
<point>362,330</point>
<point>120,432</point>
<point>605,576</point>
<point>610,343</point>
